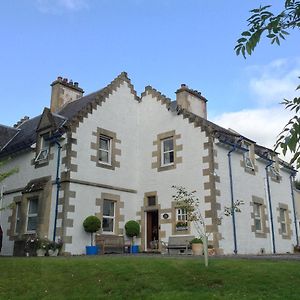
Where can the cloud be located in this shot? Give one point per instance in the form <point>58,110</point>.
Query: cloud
<point>270,84</point>
<point>260,125</point>
<point>60,6</point>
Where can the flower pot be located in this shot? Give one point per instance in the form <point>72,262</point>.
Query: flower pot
<point>134,249</point>
<point>197,249</point>
<point>52,252</point>
<point>40,252</point>
<point>92,250</point>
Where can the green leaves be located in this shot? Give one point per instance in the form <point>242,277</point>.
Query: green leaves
<point>262,20</point>
<point>289,137</point>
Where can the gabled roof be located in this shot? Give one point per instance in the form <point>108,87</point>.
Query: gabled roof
<point>25,135</point>
<point>13,140</point>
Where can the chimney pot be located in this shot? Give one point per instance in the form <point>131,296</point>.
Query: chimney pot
<point>183,85</point>
<point>59,78</point>
<point>71,82</point>
<point>65,80</point>
<point>76,84</point>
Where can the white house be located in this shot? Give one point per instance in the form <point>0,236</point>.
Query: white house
<point>116,155</point>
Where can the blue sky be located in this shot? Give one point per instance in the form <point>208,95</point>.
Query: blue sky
<point>162,43</point>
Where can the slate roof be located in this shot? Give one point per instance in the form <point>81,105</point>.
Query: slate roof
<point>25,135</point>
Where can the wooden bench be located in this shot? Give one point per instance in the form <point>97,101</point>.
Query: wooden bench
<point>179,244</point>
<point>110,243</point>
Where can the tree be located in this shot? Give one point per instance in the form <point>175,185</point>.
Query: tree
<point>192,205</point>
<point>91,224</point>
<point>276,27</point>
<point>2,177</point>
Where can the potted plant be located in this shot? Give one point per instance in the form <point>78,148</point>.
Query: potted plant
<point>92,224</point>
<point>54,247</point>
<point>132,229</point>
<point>197,246</point>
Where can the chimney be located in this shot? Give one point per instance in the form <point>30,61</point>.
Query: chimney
<point>191,100</point>
<point>63,92</point>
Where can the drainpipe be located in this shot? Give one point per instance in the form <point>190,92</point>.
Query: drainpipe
<point>294,207</point>
<point>57,181</point>
<point>232,197</point>
<point>270,205</point>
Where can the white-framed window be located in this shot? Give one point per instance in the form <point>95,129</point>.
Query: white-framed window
<point>18,218</point>
<point>181,214</point>
<point>44,149</point>
<point>167,151</point>
<point>105,149</point>
<point>32,214</point>
<point>282,218</point>
<point>108,222</point>
<point>257,216</point>
<point>247,156</point>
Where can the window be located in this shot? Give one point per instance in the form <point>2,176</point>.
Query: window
<point>274,172</point>
<point>18,216</point>
<point>247,156</point>
<point>105,150</point>
<point>167,151</point>
<point>32,214</point>
<point>43,149</point>
<point>181,219</point>
<point>257,217</point>
<point>181,214</point>
<point>282,218</point>
<point>151,201</point>
<point>108,216</point>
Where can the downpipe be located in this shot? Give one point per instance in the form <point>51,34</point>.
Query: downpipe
<point>232,199</point>
<point>270,205</point>
<point>292,176</point>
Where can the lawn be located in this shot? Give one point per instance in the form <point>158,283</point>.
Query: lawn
<point>115,277</point>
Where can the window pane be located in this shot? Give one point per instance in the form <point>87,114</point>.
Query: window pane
<point>257,224</point>
<point>168,145</point>
<point>33,206</point>
<point>283,228</point>
<point>18,214</point>
<point>108,225</point>
<point>32,224</point>
<point>257,210</point>
<point>103,156</point>
<point>282,215</point>
<point>104,144</point>
<point>108,208</point>
<point>168,158</point>
<point>151,201</point>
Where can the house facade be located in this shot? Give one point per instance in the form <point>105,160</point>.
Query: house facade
<point>116,155</point>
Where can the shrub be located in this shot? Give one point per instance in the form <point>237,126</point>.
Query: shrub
<point>196,241</point>
<point>91,224</point>
<point>132,228</point>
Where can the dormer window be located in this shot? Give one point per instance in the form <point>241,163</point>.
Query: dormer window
<point>43,151</point>
<point>248,156</point>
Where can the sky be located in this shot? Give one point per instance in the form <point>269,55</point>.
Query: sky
<point>162,43</point>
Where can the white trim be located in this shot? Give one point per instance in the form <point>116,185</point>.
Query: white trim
<point>163,164</point>
<point>32,215</point>
<point>108,151</point>
<point>109,217</point>
<point>258,216</point>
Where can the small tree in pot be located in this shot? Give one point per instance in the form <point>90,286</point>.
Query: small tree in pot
<point>132,229</point>
<point>91,224</point>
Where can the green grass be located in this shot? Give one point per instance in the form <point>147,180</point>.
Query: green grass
<point>147,278</point>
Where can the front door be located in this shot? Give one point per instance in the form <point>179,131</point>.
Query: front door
<point>152,228</point>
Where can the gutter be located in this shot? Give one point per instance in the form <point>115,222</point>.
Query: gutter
<point>292,176</point>
<point>270,205</point>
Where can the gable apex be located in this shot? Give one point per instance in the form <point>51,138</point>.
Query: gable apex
<point>46,120</point>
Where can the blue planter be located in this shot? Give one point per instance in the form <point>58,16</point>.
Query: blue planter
<point>92,250</point>
<point>134,249</point>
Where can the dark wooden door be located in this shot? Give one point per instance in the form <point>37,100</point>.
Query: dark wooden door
<point>152,227</point>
